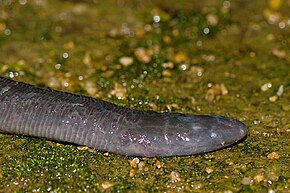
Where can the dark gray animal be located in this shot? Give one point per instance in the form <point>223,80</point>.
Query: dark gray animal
<point>27,110</point>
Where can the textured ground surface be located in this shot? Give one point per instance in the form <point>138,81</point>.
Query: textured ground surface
<point>201,57</point>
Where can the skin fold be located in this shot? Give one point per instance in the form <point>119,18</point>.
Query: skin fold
<point>66,117</point>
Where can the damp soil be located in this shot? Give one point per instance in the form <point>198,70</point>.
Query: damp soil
<point>228,58</point>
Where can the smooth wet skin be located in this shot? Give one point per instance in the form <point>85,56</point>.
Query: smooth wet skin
<point>61,116</point>
<point>171,134</point>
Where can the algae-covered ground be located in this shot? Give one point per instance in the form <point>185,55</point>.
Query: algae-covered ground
<point>228,58</point>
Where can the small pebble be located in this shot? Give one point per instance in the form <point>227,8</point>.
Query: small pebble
<point>280,90</point>
<point>132,173</point>
<point>141,165</point>
<point>247,181</point>
<point>168,65</point>
<point>2,27</point>
<point>279,53</point>
<point>106,154</point>
<point>143,55</point>
<point>107,185</point>
<point>259,177</point>
<point>209,170</point>
<point>174,176</point>
<point>158,164</point>
<point>126,61</point>
<point>224,90</point>
<point>82,148</point>
<point>266,86</point>
<point>153,106</point>
<point>273,98</point>
<point>273,155</point>
<point>215,90</point>
<point>166,73</point>
<point>134,162</point>
<point>180,57</point>
<point>271,191</point>
<point>212,19</point>
<point>146,169</point>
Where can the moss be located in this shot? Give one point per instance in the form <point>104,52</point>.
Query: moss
<point>75,46</point>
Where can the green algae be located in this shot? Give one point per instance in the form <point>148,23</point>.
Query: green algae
<point>75,46</point>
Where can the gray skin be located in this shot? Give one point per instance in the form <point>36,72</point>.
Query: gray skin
<point>65,117</point>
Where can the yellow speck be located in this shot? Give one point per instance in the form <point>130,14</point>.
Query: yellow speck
<point>174,176</point>
<point>2,26</point>
<point>166,73</point>
<point>259,177</point>
<point>273,155</point>
<point>209,170</point>
<point>82,148</point>
<point>132,173</point>
<point>134,162</point>
<point>180,57</point>
<point>143,55</point>
<point>279,53</point>
<point>275,4</point>
<point>273,98</point>
<point>69,45</point>
<point>158,164</point>
<point>107,185</point>
<point>106,154</point>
